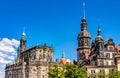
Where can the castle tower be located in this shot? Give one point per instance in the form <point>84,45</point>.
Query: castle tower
<point>83,38</point>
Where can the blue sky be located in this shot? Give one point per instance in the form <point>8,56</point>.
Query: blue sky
<point>57,22</point>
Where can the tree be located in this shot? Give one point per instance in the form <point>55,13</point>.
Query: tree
<point>102,75</point>
<point>114,74</point>
<point>67,71</point>
<point>55,72</point>
<point>73,71</point>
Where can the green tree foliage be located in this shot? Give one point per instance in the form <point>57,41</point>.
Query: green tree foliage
<point>68,71</point>
<point>114,74</point>
<point>73,71</point>
<point>102,75</point>
<point>55,72</point>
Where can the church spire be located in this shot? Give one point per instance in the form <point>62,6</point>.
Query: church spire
<point>83,24</point>
<point>83,10</point>
<point>99,31</point>
<point>23,34</point>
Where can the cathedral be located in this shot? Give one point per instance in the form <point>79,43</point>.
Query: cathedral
<point>30,63</point>
<point>97,56</point>
<point>34,62</point>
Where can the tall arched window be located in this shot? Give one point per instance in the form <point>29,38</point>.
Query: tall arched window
<point>40,57</point>
<point>101,47</point>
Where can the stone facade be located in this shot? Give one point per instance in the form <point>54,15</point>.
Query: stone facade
<point>117,62</point>
<point>30,63</point>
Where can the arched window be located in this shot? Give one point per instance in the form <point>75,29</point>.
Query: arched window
<point>44,56</point>
<point>40,56</point>
<point>101,47</point>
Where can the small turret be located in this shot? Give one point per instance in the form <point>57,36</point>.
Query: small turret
<point>99,36</point>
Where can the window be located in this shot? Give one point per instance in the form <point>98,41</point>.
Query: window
<point>101,55</point>
<point>113,55</point>
<point>44,56</point>
<point>110,70</point>
<point>101,63</point>
<point>107,55</point>
<point>40,56</point>
<point>110,48</point>
<point>102,71</point>
<point>107,63</point>
<point>101,47</point>
<point>112,63</point>
<point>92,71</point>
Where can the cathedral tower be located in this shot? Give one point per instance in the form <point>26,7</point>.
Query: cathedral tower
<point>23,42</point>
<point>22,46</point>
<point>83,38</point>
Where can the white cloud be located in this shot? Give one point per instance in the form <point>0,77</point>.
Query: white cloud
<point>8,52</point>
<point>2,75</point>
<point>4,61</point>
<point>11,57</point>
<point>2,55</point>
<point>68,60</point>
<point>7,45</point>
<point>15,42</point>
